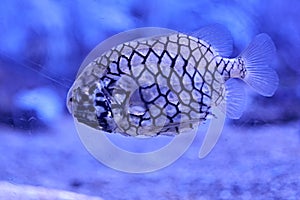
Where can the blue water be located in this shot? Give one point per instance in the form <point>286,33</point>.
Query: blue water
<point>42,44</point>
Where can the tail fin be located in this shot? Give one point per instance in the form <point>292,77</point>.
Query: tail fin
<point>256,56</point>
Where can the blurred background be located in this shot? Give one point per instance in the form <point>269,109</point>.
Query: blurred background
<point>42,44</point>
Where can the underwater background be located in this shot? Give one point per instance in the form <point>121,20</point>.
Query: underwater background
<point>42,45</point>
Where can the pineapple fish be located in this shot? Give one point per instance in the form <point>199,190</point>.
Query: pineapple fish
<point>153,81</point>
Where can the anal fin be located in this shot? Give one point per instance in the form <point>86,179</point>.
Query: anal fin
<point>213,133</point>
<point>235,99</point>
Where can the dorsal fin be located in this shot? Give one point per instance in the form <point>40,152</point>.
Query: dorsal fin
<point>218,37</point>
<point>122,38</point>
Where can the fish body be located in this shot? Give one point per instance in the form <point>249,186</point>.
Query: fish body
<point>168,83</point>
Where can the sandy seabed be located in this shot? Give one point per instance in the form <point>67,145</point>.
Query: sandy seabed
<point>259,162</point>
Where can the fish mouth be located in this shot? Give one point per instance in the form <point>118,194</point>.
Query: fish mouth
<point>69,101</point>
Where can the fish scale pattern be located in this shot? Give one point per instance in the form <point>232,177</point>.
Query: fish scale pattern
<point>162,85</point>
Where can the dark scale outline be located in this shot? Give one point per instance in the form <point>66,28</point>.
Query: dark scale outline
<point>203,108</point>
<point>170,118</point>
<point>182,86</point>
<point>201,104</point>
<point>188,39</point>
<point>149,87</point>
<point>203,56</point>
<point>128,65</point>
<point>243,70</point>
<point>143,118</point>
<point>226,68</point>
<point>100,65</point>
<point>221,67</point>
